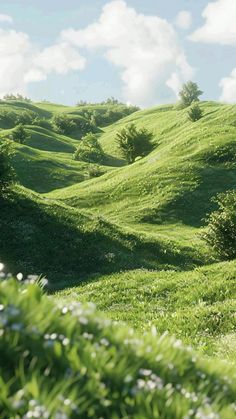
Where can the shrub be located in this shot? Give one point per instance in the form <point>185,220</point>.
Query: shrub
<point>225,154</point>
<point>221,229</point>
<point>134,143</point>
<point>19,134</point>
<point>95,171</point>
<point>190,93</point>
<point>89,149</point>
<point>18,97</point>
<point>26,118</point>
<point>66,361</point>
<point>195,113</point>
<point>63,124</point>
<point>6,172</point>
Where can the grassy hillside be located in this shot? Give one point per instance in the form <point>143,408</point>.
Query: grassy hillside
<point>176,182</point>
<point>197,306</point>
<point>69,362</point>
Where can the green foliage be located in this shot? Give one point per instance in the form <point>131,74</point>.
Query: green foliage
<point>26,118</point>
<point>89,149</point>
<point>95,171</point>
<point>222,154</point>
<point>18,97</point>
<point>221,228</point>
<point>195,112</point>
<point>63,123</point>
<point>134,143</point>
<point>6,172</point>
<point>19,134</point>
<point>190,93</point>
<point>68,361</point>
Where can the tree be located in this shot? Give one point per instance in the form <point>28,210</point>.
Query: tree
<point>190,92</point>
<point>134,143</point>
<point>221,230</point>
<point>6,172</point>
<point>195,113</point>
<point>19,134</point>
<point>63,123</point>
<point>89,149</point>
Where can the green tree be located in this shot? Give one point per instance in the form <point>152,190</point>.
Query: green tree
<point>190,92</point>
<point>195,113</point>
<point>89,149</point>
<point>63,124</point>
<point>19,134</point>
<point>221,230</point>
<point>134,143</point>
<point>6,171</point>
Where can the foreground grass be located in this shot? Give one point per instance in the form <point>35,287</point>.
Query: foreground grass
<point>197,306</point>
<point>68,362</point>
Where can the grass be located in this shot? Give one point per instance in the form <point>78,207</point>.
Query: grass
<point>197,306</point>
<point>129,241</point>
<point>68,361</point>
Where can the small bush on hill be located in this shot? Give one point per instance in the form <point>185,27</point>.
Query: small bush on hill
<point>134,143</point>
<point>195,113</point>
<point>225,154</point>
<point>19,134</point>
<point>63,124</point>
<point>89,149</point>
<point>221,229</point>
<point>6,172</point>
<point>26,118</point>
<point>66,361</point>
<point>95,171</point>
<point>190,93</point>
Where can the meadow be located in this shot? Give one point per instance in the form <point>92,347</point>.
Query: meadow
<point>129,239</point>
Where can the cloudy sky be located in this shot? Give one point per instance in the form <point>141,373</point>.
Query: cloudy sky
<point>137,51</point>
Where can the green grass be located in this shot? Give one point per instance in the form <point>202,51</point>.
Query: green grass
<point>197,306</point>
<point>69,362</point>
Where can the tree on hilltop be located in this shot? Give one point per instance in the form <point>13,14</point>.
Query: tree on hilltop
<point>190,93</point>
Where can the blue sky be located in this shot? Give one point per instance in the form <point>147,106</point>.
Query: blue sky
<point>162,44</point>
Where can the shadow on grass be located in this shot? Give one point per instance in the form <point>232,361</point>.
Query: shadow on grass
<point>66,246</point>
<point>193,206</point>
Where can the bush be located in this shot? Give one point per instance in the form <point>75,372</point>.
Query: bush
<point>26,118</point>
<point>66,361</point>
<point>190,93</point>
<point>20,135</point>
<point>134,143</point>
<point>89,150</point>
<point>195,113</point>
<point>18,97</point>
<point>95,171</point>
<point>6,172</point>
<point>63,124</point>
<point>221,229</point>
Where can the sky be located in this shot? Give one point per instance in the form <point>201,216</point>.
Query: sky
<point>138,51</point>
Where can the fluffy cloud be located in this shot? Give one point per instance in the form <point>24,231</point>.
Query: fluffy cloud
<point>14,50</point>
<point>59,58</point>
<point>21,63</point>
<point>145,48</point>
<point>183,20</point>
<point>220,25</point>
<point>5,18</point>
<point>228,85</point>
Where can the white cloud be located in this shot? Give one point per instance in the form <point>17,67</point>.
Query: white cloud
<point>228,85</point>
<point>145,48</point>
<point>59,58</point>
<point>14,50</point>
<point>21,63</point>
<point>5,18</point>
<point>183,20</point>
<point>220,25</point>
